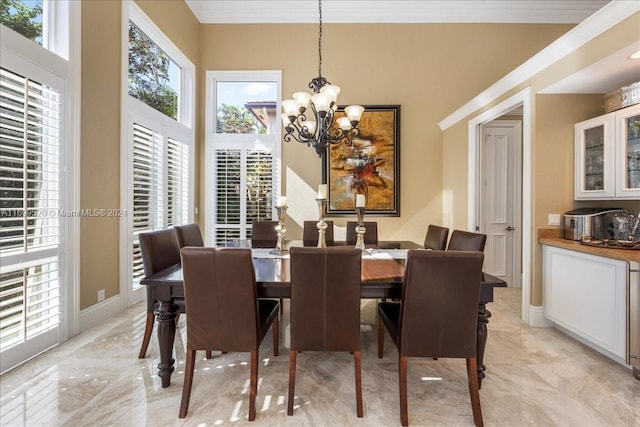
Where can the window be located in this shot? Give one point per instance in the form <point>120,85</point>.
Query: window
<point>243,151</point>
<point>24,17</point>
<point>158,162</point>
<point>38,182</point>
<point>153,76</point>
<point>29,207</point>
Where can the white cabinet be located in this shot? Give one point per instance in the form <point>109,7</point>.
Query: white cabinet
<point>607,156</point>
<point>587,295</point>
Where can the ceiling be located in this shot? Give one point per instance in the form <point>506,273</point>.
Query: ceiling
<point>390,11</point>
<point>608,74</point>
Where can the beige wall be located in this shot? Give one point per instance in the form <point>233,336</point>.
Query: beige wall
<point>100,133</point>
<point>428,69</point>
<point>552,133</point>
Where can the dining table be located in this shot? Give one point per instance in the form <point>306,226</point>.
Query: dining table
<point>382,272</point>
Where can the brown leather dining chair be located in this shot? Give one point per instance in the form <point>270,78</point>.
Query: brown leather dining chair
<point>189,235</point>
<point>437,316</point>
<point>310,233</point>
<point>466,241</point>
<point>264,234</point>
<point>159,249</point>
<point>436,237</point>
<point>370,233</point>
<point>224,312</point>
<point>325,308</point>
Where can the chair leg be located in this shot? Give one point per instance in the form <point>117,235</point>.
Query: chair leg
<point>188,382</point>
<point>472,377</point>
<point>148,329</point>
<point>380,338</point>
<point>358,367</point>
<point>276,328</point>
<point>292,380</point>
<point>208,354</point>
<point>253,385</point>
<point>404,411</point>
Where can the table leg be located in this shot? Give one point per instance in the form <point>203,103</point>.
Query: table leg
<point>483,319</point>
<point>166,313</point>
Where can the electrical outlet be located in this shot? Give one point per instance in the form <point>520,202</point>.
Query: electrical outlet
<point>554,219</point>
<point>101,295</point>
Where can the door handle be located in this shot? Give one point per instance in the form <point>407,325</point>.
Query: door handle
<point>509,228</point>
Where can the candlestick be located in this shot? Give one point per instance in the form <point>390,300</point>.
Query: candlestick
<point>322,191</point>
<point>360,228</point>
<point>281,246</point>
<point>322,224</point>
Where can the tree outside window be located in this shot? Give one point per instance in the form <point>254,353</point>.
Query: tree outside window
<point>153,76</point>
<point>23,17</point>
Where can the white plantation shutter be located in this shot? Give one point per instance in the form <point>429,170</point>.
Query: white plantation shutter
<point>161,195</point>
<point>228,172</point>
<point>30,181</point>
<point>178,159</point>
<point>259,184</point>
<point>243,191</point>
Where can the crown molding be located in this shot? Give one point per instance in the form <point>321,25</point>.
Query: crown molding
<point>607,17</point>
<point>393,11</point>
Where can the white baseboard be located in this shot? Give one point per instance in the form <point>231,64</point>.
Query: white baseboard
<point>97,314</point>
<point>537,318</point>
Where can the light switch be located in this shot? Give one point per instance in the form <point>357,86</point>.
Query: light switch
<point>554,219</point>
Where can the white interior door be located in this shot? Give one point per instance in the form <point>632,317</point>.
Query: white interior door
<point>501,206</point>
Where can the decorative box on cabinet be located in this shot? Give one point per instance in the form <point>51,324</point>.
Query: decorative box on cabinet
<point>607,156</point>
<point>586,295</point>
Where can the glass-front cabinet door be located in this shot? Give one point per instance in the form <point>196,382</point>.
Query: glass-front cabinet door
<point>594,158</point>
<point>628,152</point>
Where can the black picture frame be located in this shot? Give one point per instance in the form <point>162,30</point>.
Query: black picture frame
<point>370,166</point>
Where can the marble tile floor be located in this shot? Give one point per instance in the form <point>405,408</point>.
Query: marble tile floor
<point>535,377</point>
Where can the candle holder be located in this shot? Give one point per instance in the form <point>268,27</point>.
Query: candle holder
<point>281,246</point>
<point>322,224</point>
<point>360,229</point>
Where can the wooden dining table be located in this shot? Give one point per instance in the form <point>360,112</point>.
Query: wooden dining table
<point>382,272</point>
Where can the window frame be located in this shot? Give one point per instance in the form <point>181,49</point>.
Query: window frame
<point>60,57</point>
<point>272,141</point>
<point>135,111</point>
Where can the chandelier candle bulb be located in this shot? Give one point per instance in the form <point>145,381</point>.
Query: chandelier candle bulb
<point>360,201</point>
<point>344,123</point>
<point>282,201</point>
<point>354,112</point>
<point>322,191</point>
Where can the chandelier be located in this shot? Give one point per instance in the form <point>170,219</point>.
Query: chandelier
<point>308,118</point>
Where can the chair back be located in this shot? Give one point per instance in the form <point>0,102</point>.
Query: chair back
<point>325,299</point>
<point>264,234</point>
<point>370,234</point>
<point>436,237</point>
<point>189,235</point>
<point>159,249</point>
<point>466,241</point>
<point>439,306</point>
<point>310,233</point>
<point>221,299</point>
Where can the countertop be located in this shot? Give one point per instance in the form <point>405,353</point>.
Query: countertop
<point>553,237</point>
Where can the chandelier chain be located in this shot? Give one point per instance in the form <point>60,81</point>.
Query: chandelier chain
<point>320,40</point>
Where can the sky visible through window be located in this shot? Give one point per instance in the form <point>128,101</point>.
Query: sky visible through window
<point>239,93</point>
